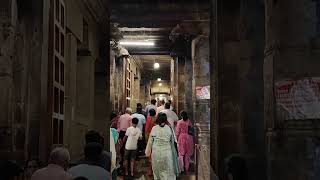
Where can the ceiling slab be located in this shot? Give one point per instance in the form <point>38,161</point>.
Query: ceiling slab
<point>154,20</point>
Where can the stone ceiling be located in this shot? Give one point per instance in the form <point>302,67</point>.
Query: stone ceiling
<point>154,20</point>
<point>149,72</point>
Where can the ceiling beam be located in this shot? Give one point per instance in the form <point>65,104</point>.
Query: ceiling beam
<point>146,6</point>
<point>149,37</point>
<point>150,52</point>
<point>156,17</point>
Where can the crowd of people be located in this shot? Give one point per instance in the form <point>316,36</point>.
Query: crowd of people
<point>95,165</point>
<point>156,132</point>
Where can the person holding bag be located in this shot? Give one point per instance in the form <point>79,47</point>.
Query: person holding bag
<point>162,150</point>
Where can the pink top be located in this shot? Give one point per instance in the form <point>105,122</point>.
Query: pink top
<point>182,127</point>
<point>115,122</point>
<point>125,122</point>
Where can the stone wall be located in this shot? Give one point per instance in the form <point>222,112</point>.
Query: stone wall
<point>241,125</point>
<point>25,73</point>
<point>87,95</point>
<point>292,52</point>
<point>21,73</point>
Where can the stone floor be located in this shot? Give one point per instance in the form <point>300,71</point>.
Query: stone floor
<point>144,177</point>
<point>142,169</point>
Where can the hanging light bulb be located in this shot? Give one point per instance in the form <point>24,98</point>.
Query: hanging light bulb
<point>156,65</point>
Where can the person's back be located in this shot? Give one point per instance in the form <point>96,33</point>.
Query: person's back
<point>151,106</point>
<point>142,120</point>
<point>133,134</point>
<point>104,160</point>
<point>91,172</point>
<point>161,134</point>
<point>161,149</point>
<point>161,107</point>
<point>51,172</point>
<point>124,121</point>
<point>171,116</point>
<point>114,120</point>
<point>59,159</point>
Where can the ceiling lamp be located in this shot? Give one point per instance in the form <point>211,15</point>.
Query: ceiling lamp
<point>159,79</point>
<point>136,43</point>
<point>156,65</point>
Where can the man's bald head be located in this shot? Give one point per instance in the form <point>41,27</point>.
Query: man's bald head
<point>60,156</point>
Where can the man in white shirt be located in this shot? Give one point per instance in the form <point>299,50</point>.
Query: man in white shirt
<point>151,106</point>
<point>91,170</point>
<point>142,121</point>
<point>132,135</point>
<point>171,116</point>
<point>140,115</point>
<point>161,107</point>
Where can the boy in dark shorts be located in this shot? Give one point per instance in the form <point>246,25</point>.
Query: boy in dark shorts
<point>133,134</point>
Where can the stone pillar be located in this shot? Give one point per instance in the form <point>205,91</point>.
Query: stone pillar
<point>85,90</point>
<point>292,52</point>
<point>72,127</point>
<point>120,83</point>
<point>201,77</point>
<point>102,104</point>
<point>188,69</point>
<point>112,79</point>
<point>7,42</point>
<point>181,83</point>
<point>175,83</point>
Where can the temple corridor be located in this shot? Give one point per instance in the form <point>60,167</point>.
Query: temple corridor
<point>245,74</point>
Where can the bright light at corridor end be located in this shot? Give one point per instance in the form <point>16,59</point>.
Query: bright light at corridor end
<point>136,43</point>
<point>156,65</point>
<point>159,79</point>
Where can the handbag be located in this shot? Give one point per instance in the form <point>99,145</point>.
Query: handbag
<point>191,130</point>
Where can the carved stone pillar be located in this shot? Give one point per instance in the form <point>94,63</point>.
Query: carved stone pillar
<point>201,78</point>
<point>184,71</point>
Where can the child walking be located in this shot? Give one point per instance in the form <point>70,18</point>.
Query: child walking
<point>133,134</point>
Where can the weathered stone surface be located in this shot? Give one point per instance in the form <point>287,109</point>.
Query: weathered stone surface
<point>201,77</point>
<point>291,27</point>
<point>240,72</point>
